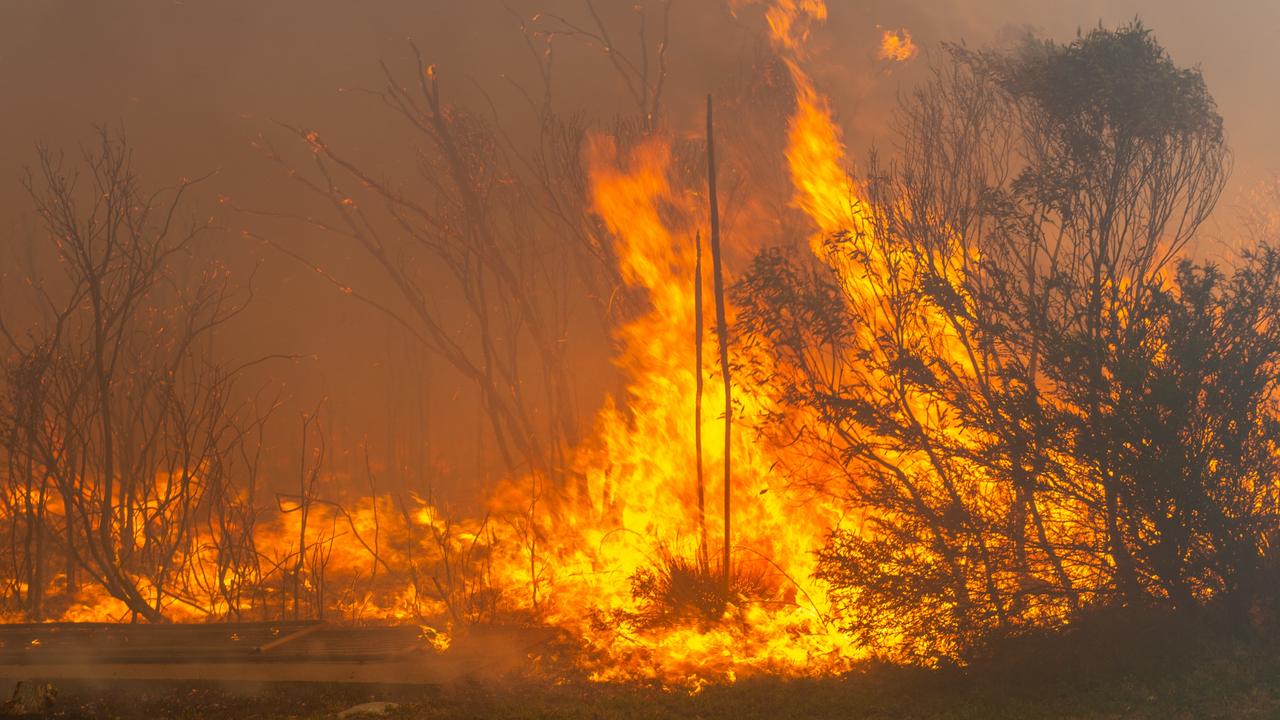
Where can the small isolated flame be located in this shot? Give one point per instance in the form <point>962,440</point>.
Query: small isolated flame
<point>790,22</point>
<point>896,45</point>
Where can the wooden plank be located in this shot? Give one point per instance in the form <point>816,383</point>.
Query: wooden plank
<point>285,639</point>
<point>414,671</point>
<point>310,652</point>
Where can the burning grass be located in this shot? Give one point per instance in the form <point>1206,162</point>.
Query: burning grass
<point>680,589</point>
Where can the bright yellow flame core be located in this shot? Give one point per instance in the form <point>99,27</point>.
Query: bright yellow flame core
<point>638,497</point>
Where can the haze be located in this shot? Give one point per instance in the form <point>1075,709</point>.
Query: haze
<point>194,84</point>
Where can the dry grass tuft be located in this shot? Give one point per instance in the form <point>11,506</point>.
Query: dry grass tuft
<point>679,589</point>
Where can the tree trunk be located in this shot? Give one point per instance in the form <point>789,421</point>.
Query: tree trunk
<point>722,332</point>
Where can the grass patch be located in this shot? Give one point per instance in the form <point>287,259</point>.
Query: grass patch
<point>679,589</point>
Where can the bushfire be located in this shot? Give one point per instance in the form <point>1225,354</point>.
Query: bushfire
<point>982,397</point>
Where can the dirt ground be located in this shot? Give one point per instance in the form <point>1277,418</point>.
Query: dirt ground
<point>1245,685</point>
<point>1118,670</point>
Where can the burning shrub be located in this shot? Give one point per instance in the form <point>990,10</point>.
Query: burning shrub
<point>1036,407</point>
<point>678,589</point>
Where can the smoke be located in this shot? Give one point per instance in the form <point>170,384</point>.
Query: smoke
<point>196,84</point>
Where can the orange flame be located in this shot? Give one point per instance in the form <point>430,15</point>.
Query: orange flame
<point>638,496</point>
<point>637,501</point>
<point>896,45</point>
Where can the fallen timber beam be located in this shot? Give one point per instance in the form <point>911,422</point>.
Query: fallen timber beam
<point>256,653</point>
<point>295,635</point>
<point>401,672</point>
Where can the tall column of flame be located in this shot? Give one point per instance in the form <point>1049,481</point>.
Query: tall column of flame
<point>639,493</point>
<point>639,497</point>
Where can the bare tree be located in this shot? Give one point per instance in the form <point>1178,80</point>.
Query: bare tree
<point>120,422</point>
<point>644,74</point>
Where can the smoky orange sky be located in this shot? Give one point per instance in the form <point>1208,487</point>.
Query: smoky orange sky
<point>195,82</point>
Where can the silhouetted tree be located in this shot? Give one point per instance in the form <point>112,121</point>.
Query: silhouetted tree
<point>120,429</point>
<point>1026,392</point>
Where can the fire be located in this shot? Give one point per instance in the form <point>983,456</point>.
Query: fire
<point>636,509</point>
<point>896,45</point>
<point>790,22</point>
<point>597,558</point>
<point>638,501</point>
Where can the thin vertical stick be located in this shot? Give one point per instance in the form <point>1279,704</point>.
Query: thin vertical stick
<point>722,329</point>
<point>697,402</point>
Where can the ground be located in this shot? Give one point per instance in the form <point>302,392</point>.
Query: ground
<point>1159,671</point>
<point>1243,682</point>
